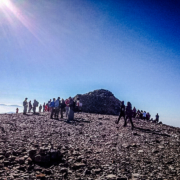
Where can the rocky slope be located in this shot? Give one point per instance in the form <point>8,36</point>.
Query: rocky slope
<point>91,147</point>
<point>99,101</point>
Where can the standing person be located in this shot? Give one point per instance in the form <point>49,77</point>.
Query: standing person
<point>57,107</point>
<point>129,115</point>
<point>40,107</point>
<point>63,105</point>
<point>157,118</point>
<point>49,103</point>
<point>35,104</point>
<point>30,106</point>
<point>122,112</point>
<point>44,107</point>
<point>25,104</point>
<point>144,115</point>
<point>67,106</point>
<point>17,110</point>
<point>71,110</point>
<point>52,107</point>
<point>134,112</point>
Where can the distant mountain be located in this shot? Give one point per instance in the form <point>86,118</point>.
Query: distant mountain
<point>10,105</point>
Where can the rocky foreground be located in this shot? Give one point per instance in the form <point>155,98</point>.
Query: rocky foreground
<point>91,147</point>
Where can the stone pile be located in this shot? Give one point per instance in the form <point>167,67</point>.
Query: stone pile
<point>92,147</point>
<point>99,101</point>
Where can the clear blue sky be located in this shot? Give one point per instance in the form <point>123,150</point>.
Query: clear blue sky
<point>51,48</point>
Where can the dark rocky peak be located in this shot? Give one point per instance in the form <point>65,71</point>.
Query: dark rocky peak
<point>99,101</point>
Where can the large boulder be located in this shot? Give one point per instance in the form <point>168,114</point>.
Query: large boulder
<point>99,101</point>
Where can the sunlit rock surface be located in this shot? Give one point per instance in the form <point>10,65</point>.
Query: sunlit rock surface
<point>91,147</point>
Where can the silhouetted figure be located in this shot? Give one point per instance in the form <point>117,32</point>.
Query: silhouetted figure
<point>17,110</point>
<point>134,112</point>
<point>57,107</point>
<point>129,115</point>
<point>49,103</point>
<point>35,104</point>
<point>122,112</point>
<point>71,111</point>
<point>40,108</point>
<point>148,116</point>
<point>52,107</point>
<point>44,107</point>
<point>63,105</point>
<point>25,104</point>
<point>157,118</point>
<point>30,106</point>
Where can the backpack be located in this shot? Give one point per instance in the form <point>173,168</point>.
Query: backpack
<point>36,103</point>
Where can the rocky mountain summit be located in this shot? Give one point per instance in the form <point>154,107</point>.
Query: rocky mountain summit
<point>99,101</point>
<point>92,147</point>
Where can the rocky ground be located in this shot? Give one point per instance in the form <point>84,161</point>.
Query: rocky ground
<point>91,147</point>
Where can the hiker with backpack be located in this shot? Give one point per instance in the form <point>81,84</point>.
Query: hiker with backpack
<point>35,104</point>
<point>122,112</point>
<point>25,104</point>
<point>129,115</point>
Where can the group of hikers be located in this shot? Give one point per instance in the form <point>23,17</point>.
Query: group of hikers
<point>128,113</point>
<point>69,106</point>
<point>31,106</point>
<point>56,107</point>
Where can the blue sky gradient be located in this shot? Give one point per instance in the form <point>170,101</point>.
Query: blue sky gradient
<point>66,47</point>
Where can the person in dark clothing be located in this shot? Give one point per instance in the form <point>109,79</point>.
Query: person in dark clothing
<point>134,112</point>
<point>35,104</point>
<point>63,105</point>
<point>57,107</point>
<point>52,107</point>
<point>44,107</point>
<point>129,115</point>
<point>71,111</point>
<point>25,104</point>
<point>157,118</point>
<point>122,112</point>
<point>30,106</point>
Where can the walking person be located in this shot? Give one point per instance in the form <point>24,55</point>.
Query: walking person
<point>129,115</point>
<point>30,106</point>
<point>122,112</point>
<point>17,109</point>
<point>25,104</point>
